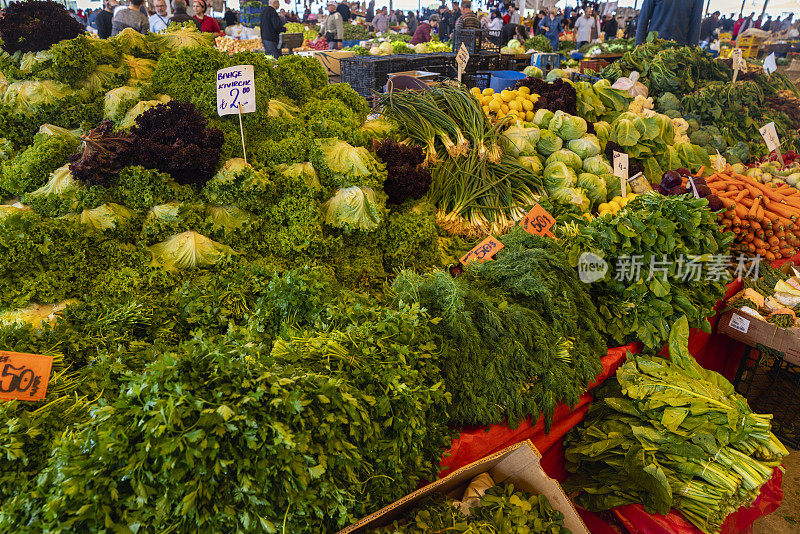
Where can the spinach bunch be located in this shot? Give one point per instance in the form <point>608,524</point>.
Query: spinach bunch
<point>679,238</point>
<point>517,335</point>
<point>670,434</point>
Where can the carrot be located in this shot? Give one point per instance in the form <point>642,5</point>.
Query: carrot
<point>754,208</point>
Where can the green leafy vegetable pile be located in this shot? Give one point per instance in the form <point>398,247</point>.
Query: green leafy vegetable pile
<point>518,334</point>
<point>670,434</point>
<point>668,233</point>
<point>502,510</point>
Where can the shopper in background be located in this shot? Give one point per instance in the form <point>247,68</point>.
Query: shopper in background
<point>587,28</point>
<point>540,16</point>
<point>708,27</point>
<point>495,23</point>
<point>179,13</point>
<point>332,27</point>
<point>130,17</point>
<point>787,23</point>
<point>513,31</point>
<point>551,27</point>
<point>271,28</point>
<point>767,24</point>
<point>610,27</point>
<point>412,23</point>
<point>370,11</point>
<point>381,21</point>
<point>159,20</point>
<point>513,15</point>
<point>676,20</point>
<point>630,28</point>
<point>423,33</point>
<point>757,23</point>
<point>393,20</point>
<point>468,20</point>
<point>204,22</point>
<point>344,10</point>
<point>455,14</point>
<point>444,23</point>
<point>104,19</point>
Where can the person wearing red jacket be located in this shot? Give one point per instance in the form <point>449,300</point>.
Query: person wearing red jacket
<point>423,33</point>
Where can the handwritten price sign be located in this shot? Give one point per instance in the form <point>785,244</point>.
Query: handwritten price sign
<point>483,251</point>
<point>538,221</point>
<point>24,376</point>
<point>621,170</point>
<point>236,90</point>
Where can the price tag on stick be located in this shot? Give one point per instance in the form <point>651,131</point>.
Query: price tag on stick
<point>621,171</point>
<point>738,62</point>
<point>236,94</point>
<point>24,376</point>
<point>771,139</point>
<point>538,221</point>
<point>694,187</point>
<point>770,65</point>
<point>483,251</point>
<point>462,58</point>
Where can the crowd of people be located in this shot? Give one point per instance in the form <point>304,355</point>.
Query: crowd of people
<point>116,16</point>
<point>715,24</point>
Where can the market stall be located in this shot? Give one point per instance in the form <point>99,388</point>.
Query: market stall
<point>232,302</point>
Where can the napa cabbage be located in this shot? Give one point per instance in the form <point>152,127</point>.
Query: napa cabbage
<point>567,126</point>
<point>585,147</point>
<point>572,160</point>
<point>548,143</point>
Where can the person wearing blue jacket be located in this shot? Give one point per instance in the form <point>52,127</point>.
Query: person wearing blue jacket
<point>551,27</point>
<point>676,20</point>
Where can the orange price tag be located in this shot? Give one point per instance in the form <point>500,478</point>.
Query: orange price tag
<point>24,376</point>
<point>538,221</point>
<point>483,251</point>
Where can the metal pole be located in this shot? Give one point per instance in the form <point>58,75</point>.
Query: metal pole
<point>741,10</point>
<point>765,8</point>
<point>708,6</point>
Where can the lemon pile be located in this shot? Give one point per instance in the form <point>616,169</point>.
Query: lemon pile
<point>616,204</point>
<point>517,103</point>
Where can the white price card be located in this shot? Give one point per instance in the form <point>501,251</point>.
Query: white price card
<point>739,323</point>
<point>621,170</point>
<point>694,187</point>
<point>236,90</point>
<point>770,136</point>
<point>720,163</point>
<point>770,65</point>
<point>462,57</point>
<point>738,62</point>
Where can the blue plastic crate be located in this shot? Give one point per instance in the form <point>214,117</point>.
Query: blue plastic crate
<point>546,61</point>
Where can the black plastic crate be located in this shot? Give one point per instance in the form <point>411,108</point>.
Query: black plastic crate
<point>772,386</point>
<point>366,74</point>
<point>474,40</point>
<point>480,80</point>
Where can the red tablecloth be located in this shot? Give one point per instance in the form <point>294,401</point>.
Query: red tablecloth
<point>713,351</point>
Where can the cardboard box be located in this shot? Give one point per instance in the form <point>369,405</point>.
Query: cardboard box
<point>330,60</point>
<point>519,464</point>
<point>752,331</point>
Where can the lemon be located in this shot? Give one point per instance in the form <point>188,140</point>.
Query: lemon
<point>488,91</point>
<point>506,95</point>
<point>527,105</point>
<point>486,109</point>
<point>529,116</point>
<point>514,93</point>
<point>514,105</point>
<point>504,108</point>
<point>475,91</point>
<point>494,105</point>
<point>603,213</point>
<point>615,206</point>
<point>524,90</point>
<point>631,195</point>
<point>534,97</point>
<point>603,207</point>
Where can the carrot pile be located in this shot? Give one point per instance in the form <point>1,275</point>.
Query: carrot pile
<point>765,219</point>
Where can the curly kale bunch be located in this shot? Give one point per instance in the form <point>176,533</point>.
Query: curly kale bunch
<point>406,178</point>
<point>36,25</point>
<point>174,138</point>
